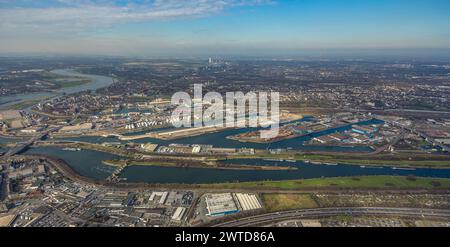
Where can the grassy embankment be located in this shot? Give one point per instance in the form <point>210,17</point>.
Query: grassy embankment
<point>363,182</point>
<point>95,147</point>
<point>196,164</point>
<point>117,163</point>
<point>105,149</point>
<point>402,160</point>
<point>398,159</point>
<point>65,83</point>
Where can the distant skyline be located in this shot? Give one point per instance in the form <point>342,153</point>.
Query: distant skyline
<point>224,27</point>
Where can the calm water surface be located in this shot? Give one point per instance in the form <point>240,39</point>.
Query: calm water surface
<point>89,163</point>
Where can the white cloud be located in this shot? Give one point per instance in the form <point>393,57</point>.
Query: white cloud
<point>87,26</point>
<point>78,15</point>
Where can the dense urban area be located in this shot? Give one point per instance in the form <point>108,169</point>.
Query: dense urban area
<point>90,142</point>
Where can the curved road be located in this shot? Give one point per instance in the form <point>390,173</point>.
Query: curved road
<point>269,218</point>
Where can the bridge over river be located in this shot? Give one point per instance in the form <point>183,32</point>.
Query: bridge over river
<point>23,146</point>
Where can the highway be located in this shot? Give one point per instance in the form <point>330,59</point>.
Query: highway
<point>265,219</point>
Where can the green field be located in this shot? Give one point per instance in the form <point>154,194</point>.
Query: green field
<point>363,182</point>
<point>283,202</point>
<point>70,83</point>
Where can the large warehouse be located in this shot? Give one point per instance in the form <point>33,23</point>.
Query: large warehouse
<point>179,213</point>
<point>220,204</point>
<point>248,201</point>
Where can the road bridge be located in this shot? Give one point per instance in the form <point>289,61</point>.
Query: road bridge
<point>21,147</point>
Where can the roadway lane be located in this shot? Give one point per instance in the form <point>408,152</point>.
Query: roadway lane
<point>264,219</point>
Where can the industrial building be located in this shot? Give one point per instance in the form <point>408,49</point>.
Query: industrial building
<point>248,201</point>
<point>323,139</point>
<point>161,195</point>
<point>32,130</point>
<point>149,147</point>
<point>179,213</point>
<point>196,149</point>
<point>21,173</point>
<point>364,130</point>
<point>220,204</point>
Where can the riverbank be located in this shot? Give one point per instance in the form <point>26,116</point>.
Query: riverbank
<point>403,160</point>
<point>88,146</point>
<point>202,165</point>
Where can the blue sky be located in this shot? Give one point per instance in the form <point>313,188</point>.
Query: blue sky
<point>190,27</point>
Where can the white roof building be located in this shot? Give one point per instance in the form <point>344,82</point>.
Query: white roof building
<point>179,213</point>
<point>248,201</point>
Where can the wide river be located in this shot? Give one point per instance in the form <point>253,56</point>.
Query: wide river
<point>97,82</point>
<point>89,163</point>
